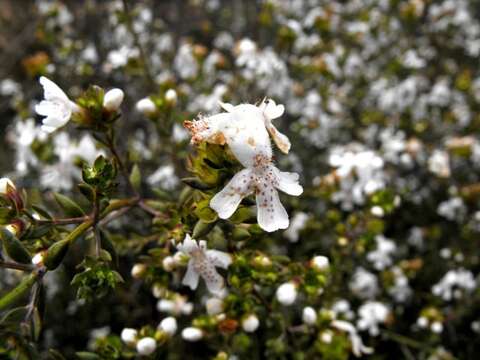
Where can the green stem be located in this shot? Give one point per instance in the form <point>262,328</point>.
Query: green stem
<point>18,291</point>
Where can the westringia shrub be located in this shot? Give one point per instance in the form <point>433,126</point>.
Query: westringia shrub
<point>277,180</point>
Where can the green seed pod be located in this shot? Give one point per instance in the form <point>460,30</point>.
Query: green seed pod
<point>14,248</point>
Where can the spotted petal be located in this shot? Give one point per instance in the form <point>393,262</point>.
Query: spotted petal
<point>226,201</point>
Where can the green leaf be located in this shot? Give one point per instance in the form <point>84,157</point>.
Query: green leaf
<point>136,177</point>
<point>108,246</point>
<point>202,228</point>
<point>13,316</point>
<point>19,291</point>
<point>14,248</point>
<point>85,355</point>
<point>56,253</point>
<point>87,191</point>
<point>70,207</point>
<point>37,324</point>
<point>55,355</point>
<point>196,183</point>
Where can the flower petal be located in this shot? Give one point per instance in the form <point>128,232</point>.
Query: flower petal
<point>52,91</point>
<point>226,201</point>
<point>288,182</point>
<point>191,276</point>
<point>208,129</point>
<point>271,215</point>
<point>226,106</point>
<point>219,258</point>
<point>272,110</point>
<point>280,139</point>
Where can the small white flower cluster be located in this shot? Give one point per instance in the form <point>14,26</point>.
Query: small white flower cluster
<point>381,257</point>
<point>245,129</point>
<point>371,314</point>
<point>455,284</point>
<point>359,172</point>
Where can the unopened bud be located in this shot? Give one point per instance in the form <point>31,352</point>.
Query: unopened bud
<point>129,336</point>
<point>192,334</point>
<point>169,325</point>
<point>286,293</point>
<point>146,346</point>
<point>320,263</point>
<point>214,306</point>
<point>168,263</point>
<point>171,96</point>
<point>138,270</point>
<point>113,99</point>
<point>309,315</point>
<point>146,106</point>
<point>37,259</point>
<point>250,323</point>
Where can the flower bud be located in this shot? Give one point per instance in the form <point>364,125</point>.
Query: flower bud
<point>309,315</point>
<point>214,306</point>
<point>6,185</point>
<point>377,211</point>
<point>138,270</point>
<point>113,99</point>
<point>146,346</point>
<point>192,334</point>
<point>171,96</point>
<point>37,259</point>
<point>129,336</point>
<point>320,263</point>
<point>146,106</point>
<point>436,327</point>
<point>422,322</point>
<point>168,263</point>
<point>286,293</point>
<point>250,323</point>
<point>169,325</point>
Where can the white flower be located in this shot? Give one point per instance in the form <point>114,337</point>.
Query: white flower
<point>129,336</point>
<point>439,163</point>
<point>146,106</point>
<point>286,293</point>
<point>371,314</point>
<point>309,315</point>
<point>6,183</point>
<point>113,99</point>
<point>245,129</point>
<point>358,348</point>
<point>320,262</point>
<point>250,323</point>
<point>454,284</point>
<point>192,334</point>
<point>381,257</point>
<point>263,180</point>
<point>364,284</point>
<point>203,263</point>
<point>169,325</point>
<point>146,346</point>
<point>57,107</point>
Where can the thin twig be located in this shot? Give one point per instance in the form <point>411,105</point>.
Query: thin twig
<point>16,266</point>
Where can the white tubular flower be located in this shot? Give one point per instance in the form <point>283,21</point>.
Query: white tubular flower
<point>146,106</point>
<point>129,336</point>
<point>286,293</point>
<point>169,325</point>
<point>171,96</point>
<point>263,180</point>
<point>272,111</point>
<point>5,184</point>
<point>57,107</point>
<point>358,348</point>
<point>203,263</point>
<point>250,323</point>
<point>192,334</point>
<point>113,99</point>
<point>146,346</point>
